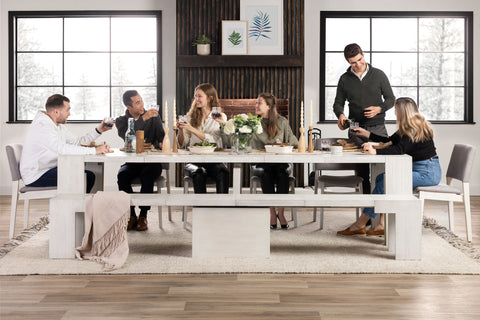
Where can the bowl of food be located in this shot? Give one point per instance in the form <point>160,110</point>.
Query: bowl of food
<point>202,148</point>
<point>278,148</point>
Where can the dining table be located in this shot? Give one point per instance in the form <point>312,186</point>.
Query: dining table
<point>403,227</point>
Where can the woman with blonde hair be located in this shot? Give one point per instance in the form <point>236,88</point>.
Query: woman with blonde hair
<point>201,126</point>
<point>413,137</point>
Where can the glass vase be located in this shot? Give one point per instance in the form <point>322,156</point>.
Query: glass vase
<point>241,142</point>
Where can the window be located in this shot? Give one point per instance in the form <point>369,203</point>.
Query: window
<point>90,57</point>
<point>427,56</point>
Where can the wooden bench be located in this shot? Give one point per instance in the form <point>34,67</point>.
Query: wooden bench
<point>232,107</point>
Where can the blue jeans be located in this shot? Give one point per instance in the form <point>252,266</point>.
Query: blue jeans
<point>424,173</point>
<point>49,179</point>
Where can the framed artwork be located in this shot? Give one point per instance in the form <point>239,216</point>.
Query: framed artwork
<point>265,26</point>
<point>234,37</point>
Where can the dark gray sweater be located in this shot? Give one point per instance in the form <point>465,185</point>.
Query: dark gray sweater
<point>373,90</point>
<point>153,128</point>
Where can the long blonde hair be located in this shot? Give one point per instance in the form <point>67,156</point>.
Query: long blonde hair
<point>272,113</point>
<point>411,122</point>
<point>212,97</point>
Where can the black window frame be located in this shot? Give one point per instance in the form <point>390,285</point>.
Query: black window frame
<point>12,51</point>
<point>468,67</point>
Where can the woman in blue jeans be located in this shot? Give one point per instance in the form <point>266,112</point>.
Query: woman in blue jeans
<point>413,137</point>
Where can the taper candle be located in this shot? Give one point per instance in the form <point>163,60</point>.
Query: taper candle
<point>311,114</point>
<point>301,115</point>
<point>166,114</point>
<point>174,112</point>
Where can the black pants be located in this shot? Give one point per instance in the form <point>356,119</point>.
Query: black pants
<point>146,172</point>
<point>273,174</point>
<point>200,171</point>
<point>363,169</point>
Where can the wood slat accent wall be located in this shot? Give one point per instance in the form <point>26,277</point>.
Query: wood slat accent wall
<point>196,17</point>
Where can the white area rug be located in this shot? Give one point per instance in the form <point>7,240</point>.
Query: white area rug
<point>298,250</point>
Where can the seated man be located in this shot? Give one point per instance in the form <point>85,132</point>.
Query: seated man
<point>151,124</point>
<point>48,137</point>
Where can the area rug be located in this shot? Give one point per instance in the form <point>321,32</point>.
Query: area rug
<point>305,249</point>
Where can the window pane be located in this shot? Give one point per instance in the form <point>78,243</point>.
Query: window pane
<point>400,68</point>
<point>399,92</point>
<point>88,103</point>
<point>437,34</point>
<point>87,34</point>
<point>31,99</point>
<point>442,69</point>
<point>342,31</point>
<point>134,69</point>
<point>335,66</point>
<point>134,34</point>
<point>442,103</point>
<point>149,96</point>
<point>330,93</point>
<point>41,34</point>
<point>394,34</point>
<point>39,69</point>
<point>87,69</point>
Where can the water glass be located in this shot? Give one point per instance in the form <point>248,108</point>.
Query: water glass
<point>108,122</point>
<point>325,144</point>
<point>354,125</point>
<point>156,107</point>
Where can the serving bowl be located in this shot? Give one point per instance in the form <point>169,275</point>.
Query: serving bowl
<point>201,149</point>
<point>278,148</point>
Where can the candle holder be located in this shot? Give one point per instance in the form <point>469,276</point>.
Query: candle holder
<point>175,142</point>
<point>166,142</point>
<point>301,141</point>
<point>310,139</point>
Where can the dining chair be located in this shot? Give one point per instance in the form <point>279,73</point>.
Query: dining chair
<point>163,181</point>
<point>20,191</point>
<point>187,184</point>
<point>255,183</point>
<point>326,182</point>
<point>459,168</point>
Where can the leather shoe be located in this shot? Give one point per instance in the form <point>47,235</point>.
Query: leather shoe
<point>348,232</point>
<point>132,223</point>
<point>375,232</point>
<point>142,224</point>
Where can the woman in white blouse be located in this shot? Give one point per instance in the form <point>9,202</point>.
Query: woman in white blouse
<point>199,126</point>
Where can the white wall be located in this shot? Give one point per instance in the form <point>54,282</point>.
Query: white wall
<point>445,135</point>
<point>15,133</point>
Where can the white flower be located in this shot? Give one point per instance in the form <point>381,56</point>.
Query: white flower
<point>259,129</point>
<point>229,127</point>
<point>244,116</point>
<point>245,129</point>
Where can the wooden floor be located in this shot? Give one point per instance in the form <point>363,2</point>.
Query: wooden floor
<point>241,296</point>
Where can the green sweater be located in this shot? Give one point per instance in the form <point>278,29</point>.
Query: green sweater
<point>373,90</point>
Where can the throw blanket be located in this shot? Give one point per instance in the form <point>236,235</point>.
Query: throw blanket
<point>105,239</point>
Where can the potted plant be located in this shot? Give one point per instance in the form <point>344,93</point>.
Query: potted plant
<point>203,45</point>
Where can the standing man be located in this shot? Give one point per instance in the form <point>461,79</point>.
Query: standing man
<point>48,137</point>
<point>151,124</point>
<point>369,96</point>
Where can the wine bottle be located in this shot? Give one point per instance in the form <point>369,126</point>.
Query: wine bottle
<point>130,137</point>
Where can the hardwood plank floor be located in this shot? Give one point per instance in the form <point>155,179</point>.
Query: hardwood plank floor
<point>241,296</point>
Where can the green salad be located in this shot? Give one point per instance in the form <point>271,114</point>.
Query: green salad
<point>205,144</point>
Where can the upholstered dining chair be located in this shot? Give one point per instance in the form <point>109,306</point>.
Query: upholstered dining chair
<point>459,168</point>
<point>19,190</point>
<point>255,183</point>
<point>187,184</point>
<point>163,181</point>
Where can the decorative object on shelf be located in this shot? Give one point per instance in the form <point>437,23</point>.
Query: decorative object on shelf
<point>234,37</point>
<point>203,45</point>
<point>242,128</point>
<point>301,138</point>
<point>166,140</point>
<point>265,26</point>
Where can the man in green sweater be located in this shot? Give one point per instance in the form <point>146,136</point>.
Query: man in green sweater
<point>369,96</point>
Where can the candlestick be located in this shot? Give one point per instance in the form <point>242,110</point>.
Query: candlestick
<point>301,115</point>
<point>311,114</point>
<point>166,142</point>
<point>174,113</point>
<point>175,142</point>
<point>301,140</point>
<point>310,139</point>
<point>166,114</point>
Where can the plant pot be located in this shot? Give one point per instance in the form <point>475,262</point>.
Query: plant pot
<point>203,49</point>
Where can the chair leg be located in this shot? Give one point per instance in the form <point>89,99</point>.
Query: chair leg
<point>169,207</point>
<point>184,208</point>
<point>357,213</point>
<point>321,218</point>
<point>468,217</point>
<point>13,209</point>
<point>26,209</point>
<point>160,214</point>
<point>451,215</point>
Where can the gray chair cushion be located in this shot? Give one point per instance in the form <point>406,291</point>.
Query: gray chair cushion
<point>442,188</point>
<point>28,189</point>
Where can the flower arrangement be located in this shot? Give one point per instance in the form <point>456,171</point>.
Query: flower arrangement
<point>242,127</point>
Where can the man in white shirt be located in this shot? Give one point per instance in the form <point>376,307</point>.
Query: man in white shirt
<point>48,137</point>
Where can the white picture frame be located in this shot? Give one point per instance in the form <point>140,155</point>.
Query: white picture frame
<point>265,26</point>
<point>234,37</point>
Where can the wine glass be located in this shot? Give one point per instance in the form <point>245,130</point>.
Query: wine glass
<point>216,112</point>
<point>325,144</point>
<point>354,125</point>
<point>108,122</point>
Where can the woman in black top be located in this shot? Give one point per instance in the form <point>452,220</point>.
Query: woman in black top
<point>415,138</point>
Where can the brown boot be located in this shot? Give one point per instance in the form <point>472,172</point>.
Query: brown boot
<point>142,224</point>
<point>132,223</point>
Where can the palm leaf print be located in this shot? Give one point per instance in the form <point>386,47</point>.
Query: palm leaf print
<point>235,38</point>
<point>260,26</point>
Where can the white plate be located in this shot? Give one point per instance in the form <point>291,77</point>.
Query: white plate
<point>201,149</point>
<point>278,149</point>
